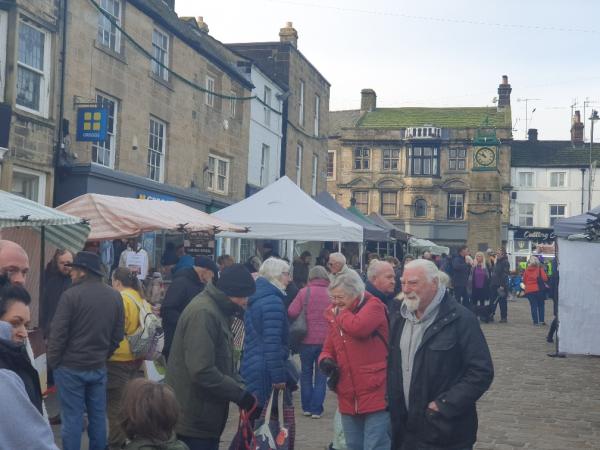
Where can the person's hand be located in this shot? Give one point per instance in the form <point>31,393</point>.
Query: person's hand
<point>248,401</point>
<point>328,366</point>
<point>279,386</point>
<point>433,406</point>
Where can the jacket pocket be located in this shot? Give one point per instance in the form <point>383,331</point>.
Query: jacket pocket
<point>372,376</point>
<point>437,429</point>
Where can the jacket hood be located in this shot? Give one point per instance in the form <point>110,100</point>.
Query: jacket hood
<point>189,273</point>
<point>429,311</point>
<point>377,293</point>
<point>5,331</point>
<point>265,288</point>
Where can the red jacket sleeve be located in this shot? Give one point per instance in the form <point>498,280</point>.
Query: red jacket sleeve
<point>363,323</point>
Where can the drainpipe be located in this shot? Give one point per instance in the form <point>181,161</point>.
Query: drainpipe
<point>61,98</point>
<point>582,187</point>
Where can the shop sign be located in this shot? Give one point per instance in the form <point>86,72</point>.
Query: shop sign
<point>91,124</point>
<point>534,234</point>
<point>148,195</point>
<point>200,244</point>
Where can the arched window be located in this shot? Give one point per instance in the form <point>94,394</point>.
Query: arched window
<point>420,208</point>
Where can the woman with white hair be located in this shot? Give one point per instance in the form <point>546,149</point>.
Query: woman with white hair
<point>535,279</point>
<point>354,357</point>
<point>266,346</point>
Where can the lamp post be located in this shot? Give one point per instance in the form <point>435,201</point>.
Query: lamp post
<point>593,118</point>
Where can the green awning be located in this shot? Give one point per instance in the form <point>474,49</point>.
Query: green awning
<point>61,230</point>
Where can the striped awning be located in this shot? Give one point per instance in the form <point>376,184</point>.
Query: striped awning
<point>61,230</point>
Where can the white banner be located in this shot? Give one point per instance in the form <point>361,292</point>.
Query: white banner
<point>579,294</point>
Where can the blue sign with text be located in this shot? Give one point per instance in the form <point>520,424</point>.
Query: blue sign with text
<point>92,124</point>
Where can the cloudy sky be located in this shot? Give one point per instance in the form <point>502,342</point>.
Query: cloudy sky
<point>436,52</point>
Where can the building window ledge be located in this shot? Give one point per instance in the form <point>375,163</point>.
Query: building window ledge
<point>161,81</point>
<point>104,49</point>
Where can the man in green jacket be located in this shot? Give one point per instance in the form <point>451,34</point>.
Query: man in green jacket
<point>201,368</point>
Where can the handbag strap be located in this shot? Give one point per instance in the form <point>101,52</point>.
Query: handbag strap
<point>269,407</point>
<point>305,302</point>
<point>280,407</point>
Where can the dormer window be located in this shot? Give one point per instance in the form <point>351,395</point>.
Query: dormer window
<point>424,132</point>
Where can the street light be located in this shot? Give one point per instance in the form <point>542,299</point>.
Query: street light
<point>593,118</point>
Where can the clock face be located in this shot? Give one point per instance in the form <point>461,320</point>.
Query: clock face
<point>485,156</point>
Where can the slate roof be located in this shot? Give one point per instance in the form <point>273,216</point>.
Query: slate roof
<point>552,154</point>
<point>459,117</point>
<point>209,47</point>
<point>342,119</point>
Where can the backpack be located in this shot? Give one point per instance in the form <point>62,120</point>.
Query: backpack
<point>148,340</point>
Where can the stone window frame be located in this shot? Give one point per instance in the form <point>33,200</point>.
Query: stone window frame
<point>390,158</point>
<point>455,207</point>
<point>458,156</point>
<point>299,157</point>
<point>157,149</point>
<point>265,156</point>
<point>45,73</point>
<point>423,208</point>
<point>267,96</point>
<point>314,174</point>
<point>363,158</point>
<point>434,158</point>
<point>41,183</point>
<point>232,104</point>
<point>162,53</point>
<point>215,163</point>
<point>552,217</point>
<point>565,182</point>
<point>3,42</point>
<point>317,117</point>
<point>103,21</point>
<point>111,132</point>
<point>331,162</point>
<point>532,178</point>
<point>209,98</point>
<point>301,103</point>
<point>526,218</point>
<point>363,204</point>
<point>383,203</point>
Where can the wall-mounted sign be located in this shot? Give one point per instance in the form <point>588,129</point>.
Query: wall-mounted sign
<point>91,124</point>
<point>148,195</point>
<point>200,244</point>
<point>534,234</point>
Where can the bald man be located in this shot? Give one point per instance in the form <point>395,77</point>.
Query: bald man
<point>14,262</point>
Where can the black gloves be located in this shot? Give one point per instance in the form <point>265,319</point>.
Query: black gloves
<point>328,366</point>
<point>248,401</point>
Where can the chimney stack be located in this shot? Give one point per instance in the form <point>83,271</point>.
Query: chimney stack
<point>577,129</point>
<point>289,34</point>
<point>504,91</point>
<point>202,24</point>
<point>368,100</point>
<point>532,135</point>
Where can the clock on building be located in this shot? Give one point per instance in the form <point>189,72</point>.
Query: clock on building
<point>485,158</point>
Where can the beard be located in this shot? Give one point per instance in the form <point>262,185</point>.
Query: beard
<point>412,302</point>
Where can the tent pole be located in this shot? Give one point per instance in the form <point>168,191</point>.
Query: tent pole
<point>340,246</point>
<point>361,254</point>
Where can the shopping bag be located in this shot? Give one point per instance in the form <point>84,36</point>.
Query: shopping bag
<point>244,438</point>
<point>271,434</point>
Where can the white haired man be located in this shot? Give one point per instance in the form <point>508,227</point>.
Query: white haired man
<point>381,281</point>
<point>337,265</point>
<point>439,365</point>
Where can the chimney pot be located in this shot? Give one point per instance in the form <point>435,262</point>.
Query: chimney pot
<point>202,24</point>
<point>289,34</point>
<point>368,100</point>
<point>504,91</point>
<point>577,130</point>
<point>532,135</point>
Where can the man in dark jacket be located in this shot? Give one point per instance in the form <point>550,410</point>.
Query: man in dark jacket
<point>439,366</point>
<point>461,270</point>
<point>499,282</point>
<point>200,367</point>
<point>86,330</point>
<point>301,268</point>
<point>381,281</point>
<point>187,283</point>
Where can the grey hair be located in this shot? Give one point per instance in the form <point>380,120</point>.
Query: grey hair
<point>318,273</point>
<point>375,268</point>
<point>430,269</point>
<point>273,268</point>
<point>534,260</point>
<point>338,257</point>
<point>350,282</point>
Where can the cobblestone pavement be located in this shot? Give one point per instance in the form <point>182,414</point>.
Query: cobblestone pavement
<point>535,402</point>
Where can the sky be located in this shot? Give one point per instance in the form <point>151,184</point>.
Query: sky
<point>436,52</point>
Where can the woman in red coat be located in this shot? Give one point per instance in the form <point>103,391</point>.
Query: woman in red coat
<point>354,357</point>
<point>536,296</point>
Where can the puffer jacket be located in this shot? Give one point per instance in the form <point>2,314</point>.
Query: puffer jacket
<point>266,344</point>
<point>318,302</point>
<point>357,342</point>
<point>530,277</point>
<point>185,286</point>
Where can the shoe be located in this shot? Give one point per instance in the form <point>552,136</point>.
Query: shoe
<point>503,320</point>
<point>543,323</point>
<point>316,416</point>
<point>549,340</point>
<point>307,414</point>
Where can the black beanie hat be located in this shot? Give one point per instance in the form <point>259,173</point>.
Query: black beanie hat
<point>236,281</point>
<point>206,263</point>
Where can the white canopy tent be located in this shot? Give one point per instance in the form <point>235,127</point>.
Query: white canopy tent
<point>282,211</point>
<point>423,245</point>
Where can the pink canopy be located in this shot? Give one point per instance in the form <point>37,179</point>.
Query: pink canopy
<point>119,217</point>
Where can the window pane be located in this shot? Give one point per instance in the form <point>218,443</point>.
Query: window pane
<point>28,88</point>
<point>31,46</point>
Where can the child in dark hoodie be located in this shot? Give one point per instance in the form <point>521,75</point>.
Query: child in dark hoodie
<point>149,414</point>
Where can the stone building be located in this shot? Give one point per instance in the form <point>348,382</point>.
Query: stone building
<point>177,127</point>
<point>305,107</point>
<point>29,55</point>
<point>438,173</point>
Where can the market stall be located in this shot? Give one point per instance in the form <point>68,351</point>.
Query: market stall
<point>578,243</point>
<point>418,246</point>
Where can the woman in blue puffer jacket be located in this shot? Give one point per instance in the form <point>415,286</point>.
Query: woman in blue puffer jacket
<point>266,347</point>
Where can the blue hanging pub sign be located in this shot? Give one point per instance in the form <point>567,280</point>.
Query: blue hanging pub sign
<point>91,124</point>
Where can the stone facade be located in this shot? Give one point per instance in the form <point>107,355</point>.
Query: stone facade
<point>305,107</point>
<point>149,101</point>
<point>438,173</point>
<point>28,87</point>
